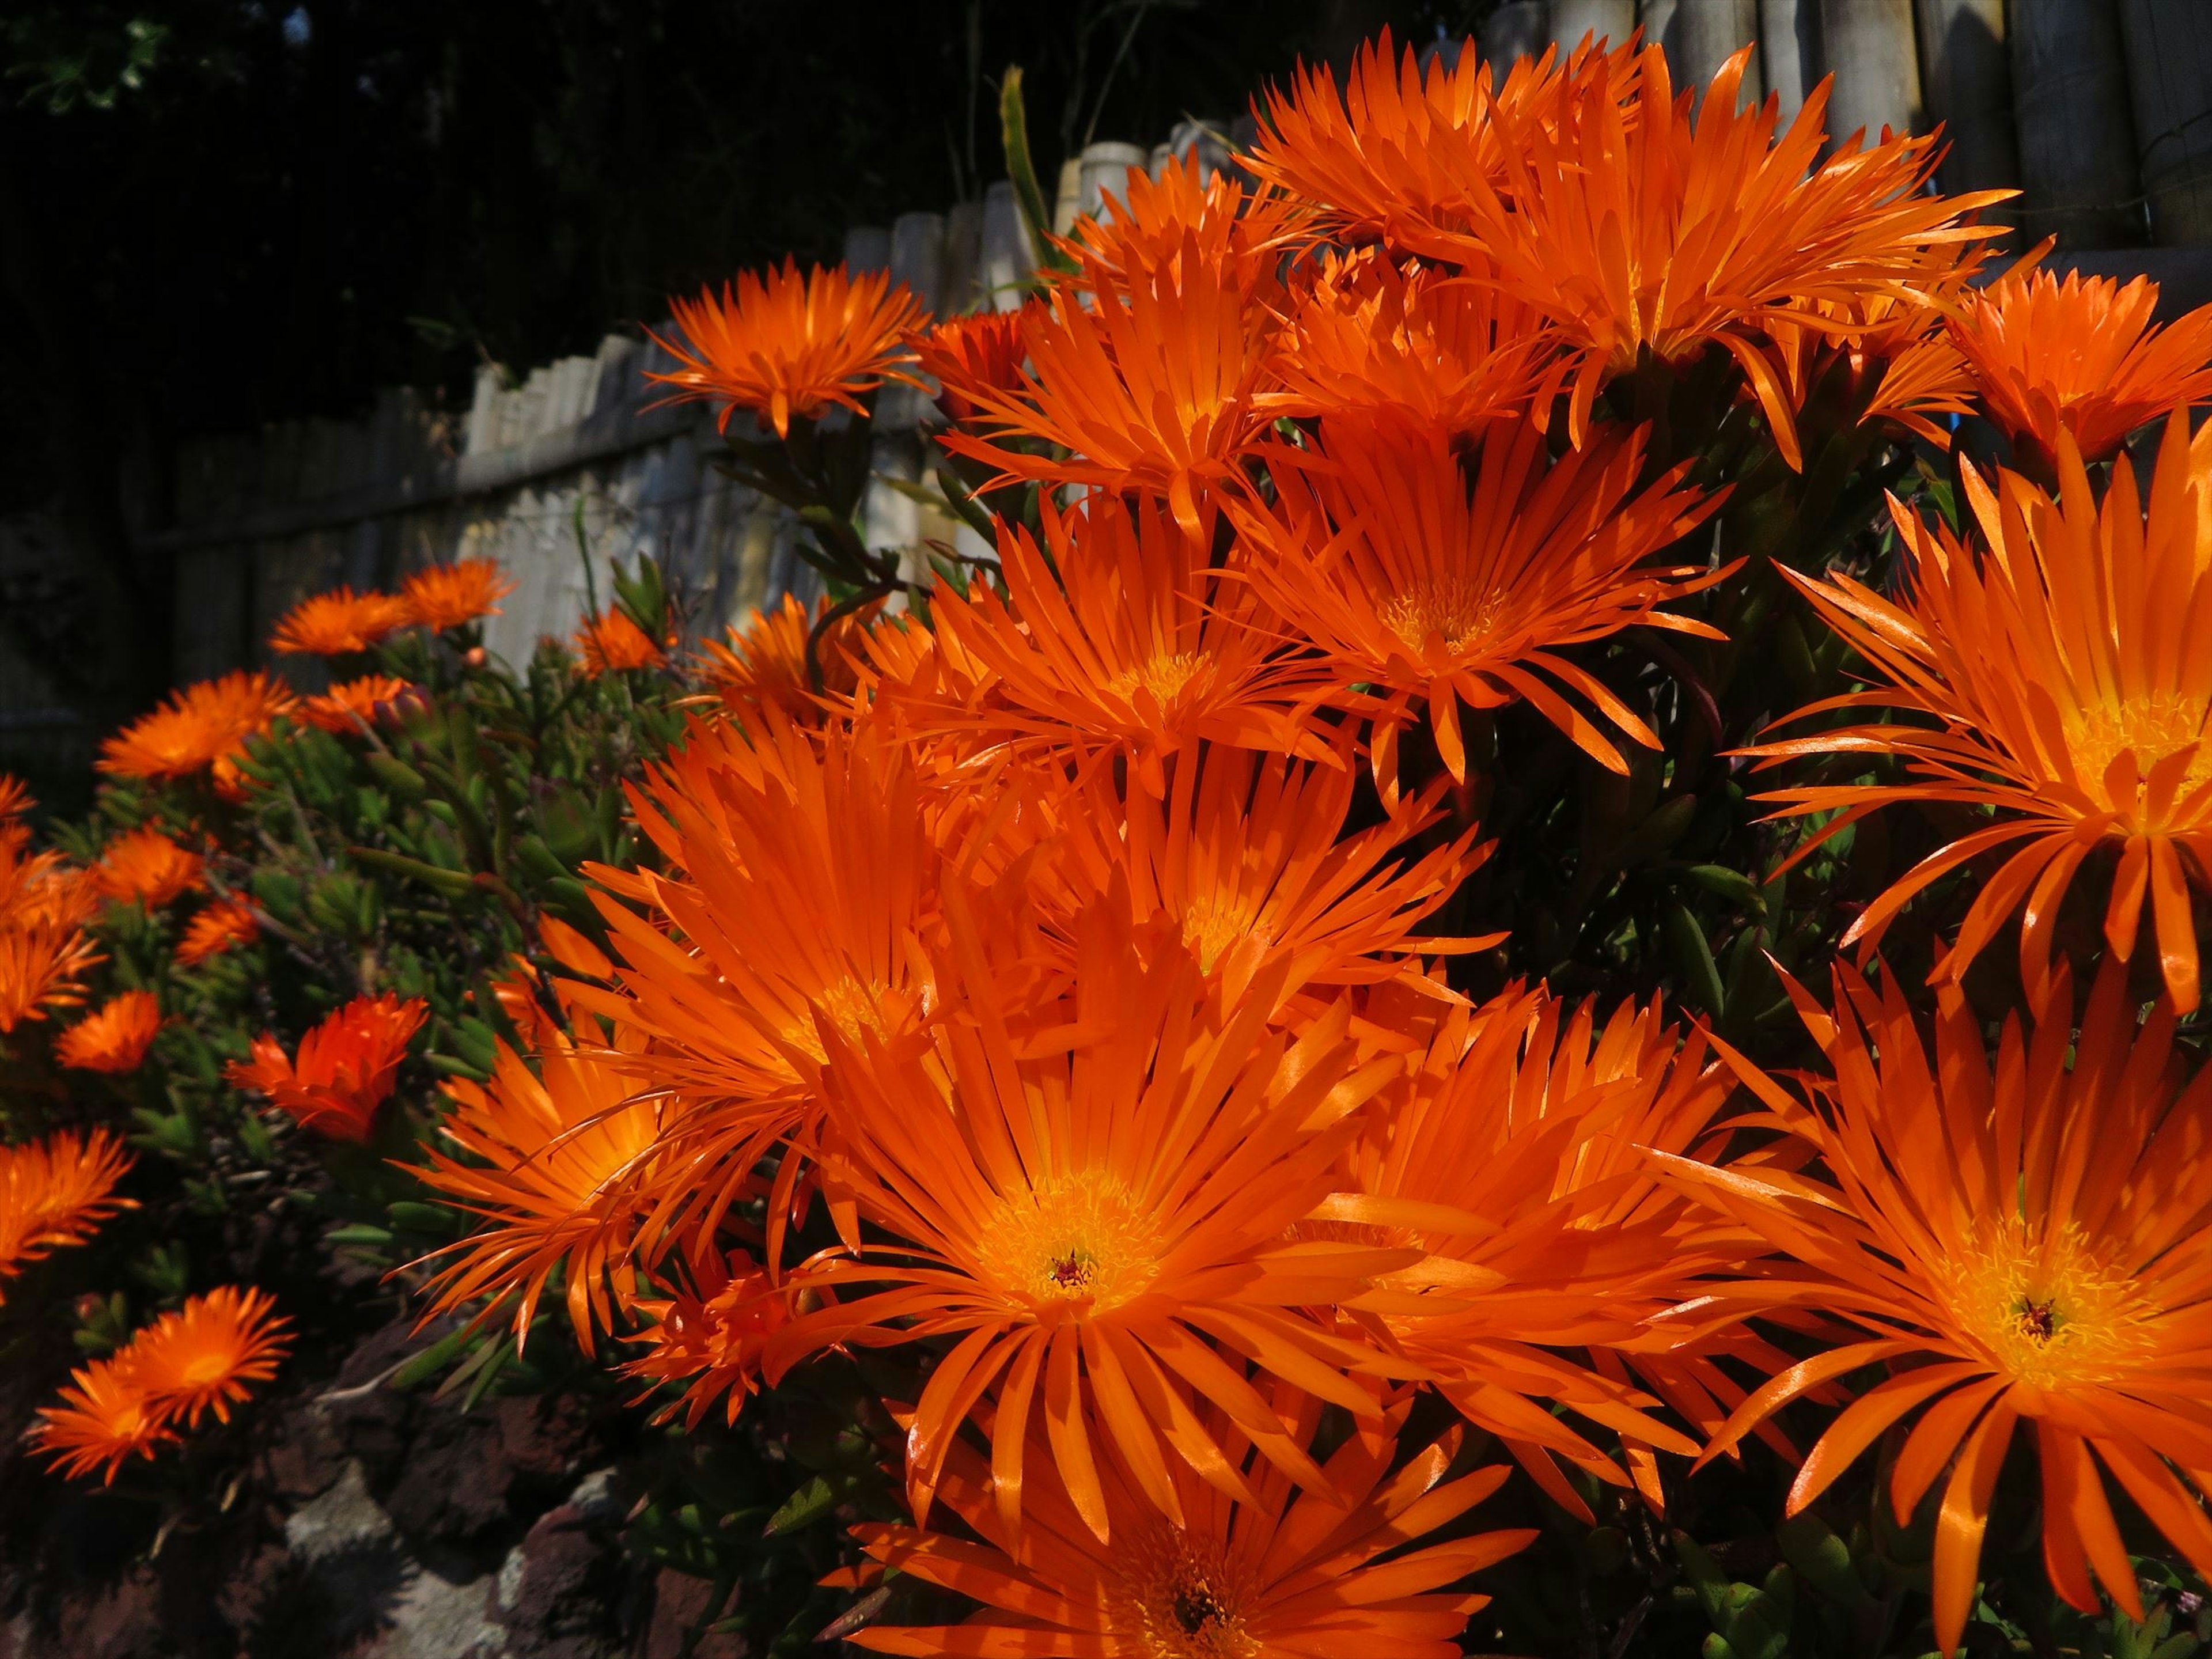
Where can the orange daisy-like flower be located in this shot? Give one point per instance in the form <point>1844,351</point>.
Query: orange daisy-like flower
<point>558,1168</point>
<point>2021,1243</point>
<point>1635,228</point>
<point>711,1335</point>
<point>200,1358</point>
<point>1090,1224</point>
<point>2079,355</point>
<point>1147,383</point>
<point>1450,353</point>
<point>146,866</point>
<point>42,967</point>
<point>611,643</point>
<point>351,704</point>
<point>763,666</point>
<point>1185,226</point>
<point>204,728</point>
<point>965,354</point>
<point>784,345</point>
<point>1412,578</point>
<point>14,796</point>
<point>1269,1571</point>
<point>226,925</point>
<point>442,596</point>
<point>114,1036</point>
<point>339,622</point>
<point>105,1418</point>
<point>1121,634</point>
<point>345,1067</point>
<point>2066,666</point>
<point>55,1191</point>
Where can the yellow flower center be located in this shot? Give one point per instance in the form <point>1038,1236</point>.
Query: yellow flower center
<point>1217,924</point>
<point>852,1007</point>
<point>1163,675</point>
<point>2049,1312</point>
<point>1079,1243</point>
<point>1181,1598</point>
<point>1453,609</point>
<point>2153,726</point>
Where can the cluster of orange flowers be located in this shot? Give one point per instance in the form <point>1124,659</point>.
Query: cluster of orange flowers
<point>1043,950</point>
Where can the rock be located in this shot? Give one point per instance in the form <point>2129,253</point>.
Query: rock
<point>680,1604</point>
<point>563,1600</point>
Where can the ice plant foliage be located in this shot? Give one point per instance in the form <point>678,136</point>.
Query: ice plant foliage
<point>1193,1059</point>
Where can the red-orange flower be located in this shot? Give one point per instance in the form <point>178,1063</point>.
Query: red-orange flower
<point>784,345</point>
<point>1412,578</point>
<point>224,925</point>
<point>104,1419</point>
<point>145,864</point>
<point>964,355</point>
<point>55,1191</point>
<point>203,728</point>
<point>1339,1571</point>
<point>763,666</point>
<point>345,1067</point>
<point>710,1334</point>
<point>200,1358</point>
<point>1187,226</point>
<point>2065,660</point>
<point>42,967</point>
<point>611,643</point>
<point>2079,355</point>
<point>114,1036</point>
<point>351,704</point>
<point>340,621</point>
<point>442,596</point>
<point>14,796</point>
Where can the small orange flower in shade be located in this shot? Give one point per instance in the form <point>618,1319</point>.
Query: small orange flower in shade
<point>42,967</point>
<point>1449,353</point>
<point>2079,354</point>
<point>442,596</point>
<point>204,728</point>
<point>201,1358</point>
<point>1121,634</point>
<point>611,643</point>
<point>351,704</point>
<point>146,866</point>
<point>710,1334</point>
<point>1268,1572</point>
<point>2065,663</point>
<point>1426,580</point>
<point>226,925</point>
<point>55,1191</point>
<point>2022,1242</point>
<point>763,666</point>
<point>559,1170</point>
<point>788,346</point>
<point>114,1036</point>
<point>1147,382</point>
<point>1635,228</point>
<point>1082,1222</point>
<point>345,1067</point>
<point>14,796</point>
<point>966,354</point>
<point>105,1418</point>
<point>1515,1156</point>
<point>339,622</point>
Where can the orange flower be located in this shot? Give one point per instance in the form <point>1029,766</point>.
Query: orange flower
<point>1084,1222</point>
<point>1121,635</point>
<point>2067,668</point>
<point>711,1336</point>
<point>345,1067</point>
<point>1148,382</point>
<point>203,728</point>
<point>14,796</point>
<point>200,1358</point>
<point>55,1191</point>
<point>1449,353</point>
<point>104,1417</point>
<point>351,704</point>
<point>113,1037</point>
<point>2079,355</point>
<point>784,345</point>
<point>442,596</point>
<point>611,643</point>
<point>42,967</point>
<point>225,925</point>
<point>2019,1243</point>
<point>146,866</point>
<point>342,620</point>
<point>1635,230</point>
<point>1189,229</point>
<point>763,666</point>
<point>965,354</point>
<point>563,1163</point>
<point>1412,579</point>
<point>1264,1570</point>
